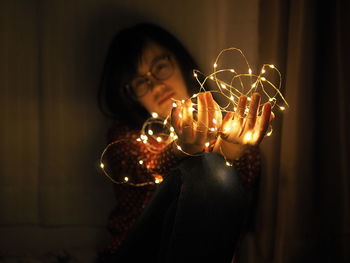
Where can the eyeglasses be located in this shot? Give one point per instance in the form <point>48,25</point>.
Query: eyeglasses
<point>161,69</point>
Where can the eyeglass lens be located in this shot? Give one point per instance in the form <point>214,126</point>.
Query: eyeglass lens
<point>160,70</point>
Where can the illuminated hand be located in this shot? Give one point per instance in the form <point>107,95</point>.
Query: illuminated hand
<point>239,131</point>
<point>194,136</point>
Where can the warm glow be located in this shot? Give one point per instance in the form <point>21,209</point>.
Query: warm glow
<point>231,85</point>
<point>248,137</point>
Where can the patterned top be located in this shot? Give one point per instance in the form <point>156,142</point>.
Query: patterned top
<point>123,160</point>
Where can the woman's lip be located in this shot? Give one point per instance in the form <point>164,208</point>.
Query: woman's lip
<point>165,98</point>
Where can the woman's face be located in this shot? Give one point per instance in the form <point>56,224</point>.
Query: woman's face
<point>159,68</point>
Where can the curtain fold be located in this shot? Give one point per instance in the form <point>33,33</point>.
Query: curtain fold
<point>303,213</point>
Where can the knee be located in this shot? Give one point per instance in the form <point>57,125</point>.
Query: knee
<point>210,174</point>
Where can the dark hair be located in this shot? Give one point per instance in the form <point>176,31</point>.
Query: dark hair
<point>121,63</point>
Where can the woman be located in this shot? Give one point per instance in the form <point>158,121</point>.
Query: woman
<point>198,212</point>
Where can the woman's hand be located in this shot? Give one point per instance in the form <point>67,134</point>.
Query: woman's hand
<point>239,131</point>
<point>194,137</point>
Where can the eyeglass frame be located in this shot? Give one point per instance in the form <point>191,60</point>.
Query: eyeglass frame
<point>147,75</point>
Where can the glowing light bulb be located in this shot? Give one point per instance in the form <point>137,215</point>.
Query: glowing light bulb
<point>126,179</point>
<point>182,101</point>
<point>215,121</point>
<point>172,129</point>
<point>207,144</point>
<point>157,181</point>
<point>250,71</point>
<point>211,77</point>
<point>248,137</point>
<point>154,115</point>
<point>228,163</point>
<point>150,132</point>
<point>212,129</point>
<point>174,105</point>
<point>282,108</point>
<point>172,134</point>
<point>159,139</point>
<point>249,98</point>
<point>223,86</point>
<point>215,65</point>
<point>102,165</point>
<point>138,139</point>
<point>140,162</point>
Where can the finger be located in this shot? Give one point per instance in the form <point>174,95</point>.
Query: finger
<point>264,122</point>
<point>226,124</point>
<point>239,113</point>
<point>202,122</point>
<point>228,117</point>
<point>187,122</point>
<point>218,114</point>
<point>212,121</point>
<point>253,111</point>
<point>176,120</point>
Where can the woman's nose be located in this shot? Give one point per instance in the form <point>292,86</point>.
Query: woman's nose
<point>154,83</point>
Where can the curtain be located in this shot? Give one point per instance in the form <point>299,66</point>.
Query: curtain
<point>304,204</point>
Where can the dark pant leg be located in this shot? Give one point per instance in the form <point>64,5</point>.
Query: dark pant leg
<point>142,243</point>
<point>211,211</point>
<point>196,215</point>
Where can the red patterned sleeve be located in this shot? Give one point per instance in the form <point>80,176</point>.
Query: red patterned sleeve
<point>125,157</point>
<point>249,167</point>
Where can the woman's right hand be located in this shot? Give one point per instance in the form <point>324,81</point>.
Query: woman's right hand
<point>194,137</point>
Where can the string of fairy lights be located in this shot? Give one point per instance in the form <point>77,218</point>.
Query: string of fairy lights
<point>230,85</point>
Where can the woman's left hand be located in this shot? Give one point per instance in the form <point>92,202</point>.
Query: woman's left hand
<point>239,131</point>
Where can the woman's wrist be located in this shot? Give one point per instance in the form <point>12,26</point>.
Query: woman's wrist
<point>183,150</point>
<point>231,151</point>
